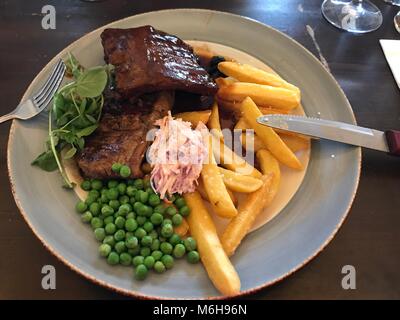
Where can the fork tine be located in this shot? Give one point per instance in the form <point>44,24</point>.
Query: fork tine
<point>52,90</point>
<point>51,87</point>
<point>49,80</point>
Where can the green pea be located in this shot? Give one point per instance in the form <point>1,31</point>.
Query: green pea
<point>86,185</point>
<point>167,230</point>
<point>184,211</point>
<point>109,219</point>
<point>94,193</point>
<point>125,209</point>
<point>171,211</point>
<point>154,200</point>
<point>97,184</point>
<point>141,220</point>
<point>110,228</point>
<point>125,259</point>
<point>116,167</point>
<point>156,218</point>
<point>131,191</point>
<point>119,235</point>
<point>166,248</point>
<point>155,245</point>
<point>146,183</point>
<point>159,267</point>
<point>99,234</point>
<point>109,240</point>
<point>141,209</point>
<point>148,211</point>
<point>120,222</point>
<point>131,224</point>
<point>125,171</point>
<point>120,246</point>
<point>81,207</point>
<point>149,262</point>
<point>157,254</point>
<point>130,182</point>
<point>140,233</point>
<point>165,222</point>
<point>177,219</point>
<point>142,196</point>
<point>190,244</point>
<point>146,241</point>
<point>168,261</point>
<point>106,210</point>
<point>113,258</point>
<point>96,223</point>
<point>141,272</point>
<point>95,208</point>
<point>112,184</point>
<point>145,251</point>
<point>148,226</point>
<point>138,184</point>
<point>114,204</point>
<point>154,234</point>
<point>124,199</point>
<point>193,257</point>
<point>160,209</point>
<point>90,200</point>
<point>131,215</point>
<point>137,260</point>
<point>103,198</point>
<point>104,249</point>
<point>179,251</point>
<point>180,202</point>
<point>131,242</point>
<point>112,194</point>
<point>86,217</point>
<point>150,191</point>
<point>175,239</point>
<point>121,188</point>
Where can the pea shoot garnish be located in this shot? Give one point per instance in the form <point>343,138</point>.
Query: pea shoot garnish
<point>75,114</point>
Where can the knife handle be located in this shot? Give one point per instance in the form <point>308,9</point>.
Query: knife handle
<point>393,141</point>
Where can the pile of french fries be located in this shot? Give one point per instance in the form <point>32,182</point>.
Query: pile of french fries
<point>249,93</point>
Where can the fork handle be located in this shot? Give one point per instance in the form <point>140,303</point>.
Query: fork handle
<point>7,117</point>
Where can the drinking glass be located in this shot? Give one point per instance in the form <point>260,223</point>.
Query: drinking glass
<point>357,16</point>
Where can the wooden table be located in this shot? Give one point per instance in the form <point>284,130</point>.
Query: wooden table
<point>370,238</point>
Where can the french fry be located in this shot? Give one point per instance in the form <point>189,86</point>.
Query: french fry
<point>182,229</point>
<point>230,160</point>
<point>239,226</point>
<point>194,117</point>
<point>220,270</point>
<point>215,188</point>
<point>239,182</point>
<point>203,193</point>
<point>295,142</point>
<point>268,136</point>
<point>263,95</point>
<point>213,122</point>
<point>270,166</point>
<point>247,73</point>
<point>224,81</point>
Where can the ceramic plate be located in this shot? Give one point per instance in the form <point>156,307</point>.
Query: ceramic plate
<point>304,225</point>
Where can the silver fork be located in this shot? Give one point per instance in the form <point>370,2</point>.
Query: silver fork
<point>32,107</point>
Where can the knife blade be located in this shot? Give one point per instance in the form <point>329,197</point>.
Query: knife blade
<point>388,141</point>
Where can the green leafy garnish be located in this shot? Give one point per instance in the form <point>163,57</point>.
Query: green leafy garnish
<point>75,114</point>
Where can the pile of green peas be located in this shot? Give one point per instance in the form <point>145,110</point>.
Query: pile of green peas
<point>134,226</point>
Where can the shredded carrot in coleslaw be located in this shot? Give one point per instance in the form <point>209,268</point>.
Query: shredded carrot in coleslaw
<point>176,155</point>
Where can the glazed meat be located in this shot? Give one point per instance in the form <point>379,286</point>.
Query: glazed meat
<point>149,60</point>
<point>121,136</point>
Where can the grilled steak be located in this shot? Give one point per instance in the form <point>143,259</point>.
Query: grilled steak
<point>121,136</point>
<point>149,60</point>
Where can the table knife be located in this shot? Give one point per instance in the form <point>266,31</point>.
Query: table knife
<point>386,141</point>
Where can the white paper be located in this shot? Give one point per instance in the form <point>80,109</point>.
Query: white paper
<point>391,49</point>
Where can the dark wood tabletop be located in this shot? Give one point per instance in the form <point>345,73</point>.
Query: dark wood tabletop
<point>369,239</point>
